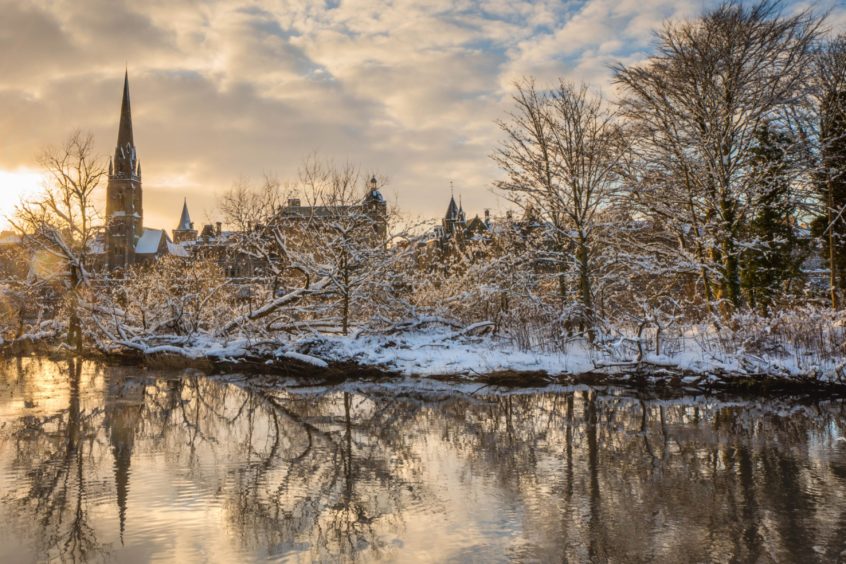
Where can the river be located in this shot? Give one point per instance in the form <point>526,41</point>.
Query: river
<point>135,465</point>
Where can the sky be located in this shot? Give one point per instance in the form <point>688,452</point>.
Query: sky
<point>229,90</point>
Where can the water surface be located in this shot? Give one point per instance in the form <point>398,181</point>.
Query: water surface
<point>124,464</point>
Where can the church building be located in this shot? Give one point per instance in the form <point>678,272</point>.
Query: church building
<point>127,241</point>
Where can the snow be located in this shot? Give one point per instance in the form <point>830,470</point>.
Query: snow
<point>307,359</point>
<point>195,348</point>
<point>149,241</point>
<point>97,246</point>
<point>440,352</point>
<point>431,345</point>
<point>176,250</point>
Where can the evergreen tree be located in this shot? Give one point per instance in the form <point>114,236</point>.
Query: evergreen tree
<point>772,255</point>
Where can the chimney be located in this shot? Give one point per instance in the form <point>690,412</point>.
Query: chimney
<point>217,227</point>
<point>293,202</point>
<point>487,215</point>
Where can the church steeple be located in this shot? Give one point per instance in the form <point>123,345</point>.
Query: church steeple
<point>185,223</point>
<point>125,128</point>
<point>452,210</point>
<point>125,149</point>
<point>185,230</point>
<point>124,200</point>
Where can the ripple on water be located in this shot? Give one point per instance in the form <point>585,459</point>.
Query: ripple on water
<point>205,470</point>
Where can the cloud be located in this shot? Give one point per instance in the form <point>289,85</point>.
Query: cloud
<point>224,89</point>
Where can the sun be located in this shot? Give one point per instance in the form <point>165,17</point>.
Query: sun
<point>16,185</point>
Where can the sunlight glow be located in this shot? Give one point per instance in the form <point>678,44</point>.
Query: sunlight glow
<point>16,185</point>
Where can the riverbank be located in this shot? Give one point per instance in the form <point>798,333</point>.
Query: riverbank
<point>464,356</point>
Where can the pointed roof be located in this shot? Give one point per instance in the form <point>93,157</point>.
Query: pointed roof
<point>185,219</point>
<point>452,210</point>
<point>125,128</point>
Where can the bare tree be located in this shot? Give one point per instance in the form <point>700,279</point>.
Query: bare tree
<point>245,207</point>
<point>321,251</point>
<point>560,156</point>
<point>61,225</point>
<point>528,160</point>
<point>342,233</point>
<point>831,116</point>
<point>695,109</point>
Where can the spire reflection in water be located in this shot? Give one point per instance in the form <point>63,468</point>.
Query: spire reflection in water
<point>124,464</point>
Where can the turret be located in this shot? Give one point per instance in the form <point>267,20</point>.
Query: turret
<point>185,230</point>
<point>376,208</point>
<point>451,219</point>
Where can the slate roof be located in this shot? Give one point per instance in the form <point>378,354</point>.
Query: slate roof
<point>185,219</point>
<point>150,241</point>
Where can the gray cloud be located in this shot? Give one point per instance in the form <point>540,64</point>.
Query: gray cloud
<point>225,89</point>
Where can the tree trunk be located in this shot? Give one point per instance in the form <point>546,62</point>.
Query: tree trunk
<point>585,290</point>
<point>731,269</point>
<point>832,254</point>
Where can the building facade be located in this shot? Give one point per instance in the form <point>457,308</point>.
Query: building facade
<point>126,241</point>
<point>124,198</point>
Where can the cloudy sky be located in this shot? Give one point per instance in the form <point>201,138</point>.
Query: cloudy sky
<point>229,89</point>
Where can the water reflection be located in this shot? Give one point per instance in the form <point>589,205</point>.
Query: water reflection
<point>121,464</point>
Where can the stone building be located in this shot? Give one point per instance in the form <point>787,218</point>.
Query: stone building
<point>371,212</point>
<point>126,240</point>
<point>456,230</point>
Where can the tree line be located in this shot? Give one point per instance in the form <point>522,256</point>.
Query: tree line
<point>702,193</point>
<point>713,179</point>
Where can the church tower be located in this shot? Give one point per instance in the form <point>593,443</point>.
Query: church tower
<point>185,230</point>
<point>124,212</point>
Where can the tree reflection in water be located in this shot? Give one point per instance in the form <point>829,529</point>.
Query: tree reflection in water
<point>51,453</point>
<point>115,462</point>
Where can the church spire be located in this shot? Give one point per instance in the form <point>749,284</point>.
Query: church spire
<point>452,209</point>
<point>125,130</point>
<point>185,220</point>
<point>124,198</point>
<point>125,150</point>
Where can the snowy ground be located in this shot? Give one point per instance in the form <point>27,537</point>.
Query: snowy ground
<point>443,350</point>
<point>438,352</point>
<point>429,353</point>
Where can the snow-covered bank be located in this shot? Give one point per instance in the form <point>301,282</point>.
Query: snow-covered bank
<point>696,356</point>
<point>437,351</point>
<point>441,352</point>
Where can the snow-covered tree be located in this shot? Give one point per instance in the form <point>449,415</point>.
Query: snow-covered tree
<point>831,115</point>
<point>560,156</point>
<point>694,111</point>
<point>60,225</point>
<point>326,253</point>
<point>166,303</point>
